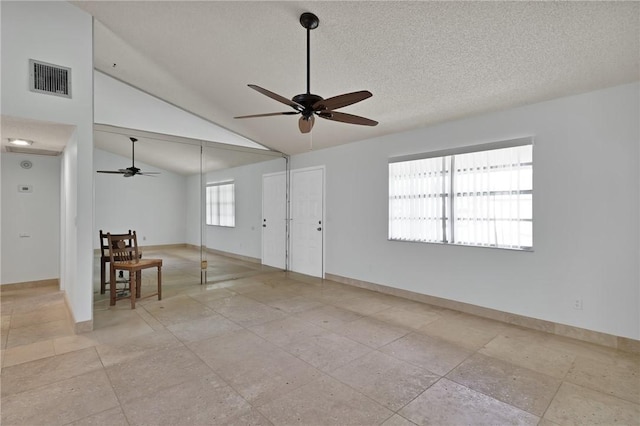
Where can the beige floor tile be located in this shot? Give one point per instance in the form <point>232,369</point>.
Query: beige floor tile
<point>146,375</point>
<point>406,318</point>
<point>621,379</point>
<point>62,345</point>
<point>459,332</point>
<point>204,328</point>
<point>30,375</point>
<point>111,417</point>
<point>257,369</point>
<point>228,349</point>
<point>529,354</point>
<point>5,321</point>
<point>207,293</point>
<point>200,401</point>
<point>526,389</point>
<point>60,402</point>
<point>325,401</point>
<point>363,305</point>
<point>428,353</point>
<point>397,420</point>
<point>296,304</point>
<point>37,332</point>
<point>129,349</point>
<point>248,417</point>
<point>267,295</point>
<point>26,353</point>
<point>245,311</point>
<point>285,331</point>
<point>325,350</point>
<point>576,405</point>
<point>386,380</point>
<point>448,403</point>
<point>371,332</point>
<point>150,320</point>
<point>177,309</point>
<point>329,317</point>
<point>116,329</point>
<point>54,313</point>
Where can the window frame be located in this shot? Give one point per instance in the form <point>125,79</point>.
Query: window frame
<point>449,222</point>
<point>208,214</point>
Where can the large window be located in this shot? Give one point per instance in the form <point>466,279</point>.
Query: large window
<point>480,196</point>
<point>221,206</point>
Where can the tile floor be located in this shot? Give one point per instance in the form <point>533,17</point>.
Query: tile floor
<point>259,347</point>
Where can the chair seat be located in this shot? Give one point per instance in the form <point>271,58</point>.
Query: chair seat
<point>137,264</point>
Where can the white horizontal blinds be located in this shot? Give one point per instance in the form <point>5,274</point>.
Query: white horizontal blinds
<point>493,198</point>
<point>211,203</point>
<point>486,191</point>
<point>226,200</point>
<point>220,204</point>
<point>417,199</point>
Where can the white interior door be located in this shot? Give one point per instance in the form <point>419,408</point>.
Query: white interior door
<point>307,221</point>
<point>274,216</point>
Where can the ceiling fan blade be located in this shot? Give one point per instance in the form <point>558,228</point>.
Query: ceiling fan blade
<point>306,124</point>
<point>340,101</point>
<point>110,171</point>
<point>269,114</point>
<point>347,118</point>
<point>150,174</point>
<point>277,97</point>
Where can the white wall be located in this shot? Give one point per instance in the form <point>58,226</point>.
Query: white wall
<point>246,237</point>
<point>586,214</point>
<point>61,34</point>
<point>154,207</point>
<point>35,214</point>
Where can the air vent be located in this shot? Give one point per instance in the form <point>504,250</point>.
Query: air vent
<point>50,79</point>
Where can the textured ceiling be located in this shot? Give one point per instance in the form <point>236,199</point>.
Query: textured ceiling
<point>424,62</point>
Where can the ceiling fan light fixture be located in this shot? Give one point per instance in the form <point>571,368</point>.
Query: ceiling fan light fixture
<point>309,105</point>
<point>20,142</point>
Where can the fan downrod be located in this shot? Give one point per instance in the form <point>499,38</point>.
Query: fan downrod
<point>309,21</point>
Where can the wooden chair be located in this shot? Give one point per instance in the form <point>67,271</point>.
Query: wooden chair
<point>124,256</point>
<point>104,258</point>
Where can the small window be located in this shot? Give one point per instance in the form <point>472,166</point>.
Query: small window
<point>220,202</point>
<point>480,196</point>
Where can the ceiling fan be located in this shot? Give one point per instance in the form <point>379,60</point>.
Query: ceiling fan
<point>307,104</point>
<point>133,170</point>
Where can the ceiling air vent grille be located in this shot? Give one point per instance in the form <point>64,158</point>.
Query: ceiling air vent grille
<point>50,79</point>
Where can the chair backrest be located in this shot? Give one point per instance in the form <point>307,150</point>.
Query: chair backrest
<point>104,242</point>
<point>123,247</point>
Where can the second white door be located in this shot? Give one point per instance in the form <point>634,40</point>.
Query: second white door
<point>307,221</point>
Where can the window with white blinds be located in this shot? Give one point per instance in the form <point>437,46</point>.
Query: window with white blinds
<point>480,196</point>
<point>220,204</point>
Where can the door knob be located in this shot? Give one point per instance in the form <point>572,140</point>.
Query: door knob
<point>319,229</point>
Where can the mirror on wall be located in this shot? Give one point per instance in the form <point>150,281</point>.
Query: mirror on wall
<point>196,204</point>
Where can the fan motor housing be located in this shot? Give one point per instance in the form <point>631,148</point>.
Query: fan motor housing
<point>307,100</point>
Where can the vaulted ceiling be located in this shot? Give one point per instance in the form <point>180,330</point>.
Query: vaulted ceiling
<point>424,62</point>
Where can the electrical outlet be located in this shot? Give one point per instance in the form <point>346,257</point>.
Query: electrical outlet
<point>577,304</point>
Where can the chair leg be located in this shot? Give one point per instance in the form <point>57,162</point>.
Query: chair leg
<point>112,287</point>
<point>133,285</point>
<point>102,275</point>
<point>159,282</point>
<point>138,284</point>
